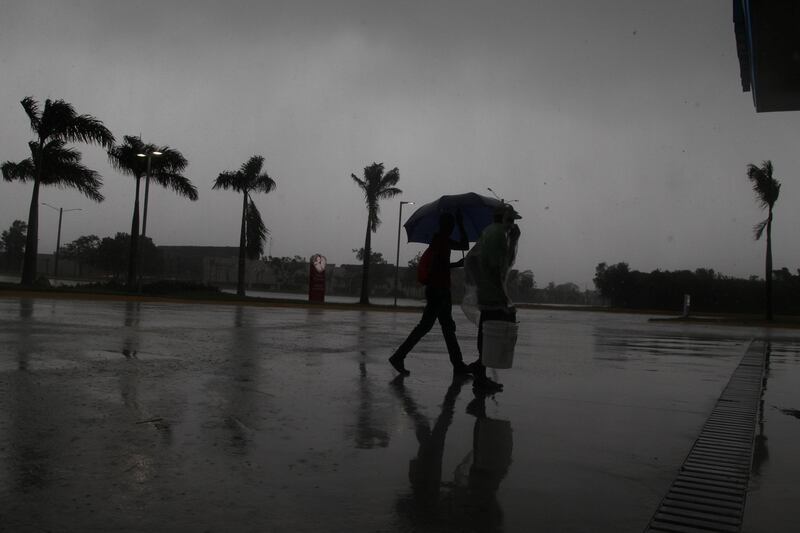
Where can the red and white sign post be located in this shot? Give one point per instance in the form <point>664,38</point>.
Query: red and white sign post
<point>316,278</point>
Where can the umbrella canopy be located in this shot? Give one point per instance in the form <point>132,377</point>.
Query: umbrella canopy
<point>477,211</point>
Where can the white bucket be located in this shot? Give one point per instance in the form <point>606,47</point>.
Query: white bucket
<point>499,339</point>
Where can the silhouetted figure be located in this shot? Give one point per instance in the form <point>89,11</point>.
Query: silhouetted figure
<point>438,300</point>
<point>468,502</point>
<point>497,245</point>
<point>425,470</point>
<point>479,475</point>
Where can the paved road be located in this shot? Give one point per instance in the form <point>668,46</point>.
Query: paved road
<point>163,417</point>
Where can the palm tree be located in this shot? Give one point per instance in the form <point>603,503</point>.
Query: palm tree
<point>56,165</point>
<point>165,169</point>
<point>767,190</point>
<point>51,163</point>
<point>247,180</point>
<point>376,186</point>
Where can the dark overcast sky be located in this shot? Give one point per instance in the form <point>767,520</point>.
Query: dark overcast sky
<point>620,127</point>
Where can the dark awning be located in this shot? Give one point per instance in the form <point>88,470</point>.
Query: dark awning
<point>768,46</point>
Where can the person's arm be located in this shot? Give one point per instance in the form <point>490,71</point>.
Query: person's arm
<point>457,264</point>
<point>513,237</point>
<point>462,244</point>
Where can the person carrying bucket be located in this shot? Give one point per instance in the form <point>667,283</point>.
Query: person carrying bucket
<point>487,266</point>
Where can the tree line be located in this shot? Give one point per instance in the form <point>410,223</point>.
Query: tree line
<point>92,254</point>
<point>710,291</point>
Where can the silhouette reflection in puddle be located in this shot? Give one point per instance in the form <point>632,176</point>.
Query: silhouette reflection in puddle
<point>469,502</point>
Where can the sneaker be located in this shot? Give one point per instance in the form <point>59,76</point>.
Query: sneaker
<point>398,365</point>
<point>487,385</point>
<point>477,407</point>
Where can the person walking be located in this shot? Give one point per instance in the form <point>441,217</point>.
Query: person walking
<point>438,301</point>
<point>496,251</point>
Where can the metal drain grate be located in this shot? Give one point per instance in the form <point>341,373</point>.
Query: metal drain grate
<point>709,492</point>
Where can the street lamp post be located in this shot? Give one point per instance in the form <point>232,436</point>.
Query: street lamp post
<point>61,212</point>
<point>397,258</point>
<point>143,234</point>
<point>148,155</point>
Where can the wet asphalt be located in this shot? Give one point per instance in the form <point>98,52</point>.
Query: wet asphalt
<point>128,416</point>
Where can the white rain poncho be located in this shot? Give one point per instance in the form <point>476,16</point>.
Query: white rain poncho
<point>486,269</point>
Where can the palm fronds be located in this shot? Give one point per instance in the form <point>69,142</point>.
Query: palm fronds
<point>124,157</point>
<point>248,178</point>
<point>390,179</point>
<point>361,183</point>
<point>377,186</point>
<point>59,120</point>
<point>252,167</point>
<point>759,228</point>
<point>82,179</point>
<point>766,187</point>
<point>263,183</point>
<point>178,183</point>
<point>227,180</point>
<point>59,166</point>
<point>256,231</point>
<point>22,171</point>
<point>170,159</point>
<point>31,108</point>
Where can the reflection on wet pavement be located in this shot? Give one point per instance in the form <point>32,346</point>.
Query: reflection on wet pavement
<point>773,493</point>
<point>164,417</point>
<point>467,501</point>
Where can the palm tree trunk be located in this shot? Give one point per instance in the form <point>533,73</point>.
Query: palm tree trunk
<point>146,195</point>
<point>133,256</point>
<point>768,273</point>
<point>365,268</point>
<point>242,245</point>
<point>32,237</point>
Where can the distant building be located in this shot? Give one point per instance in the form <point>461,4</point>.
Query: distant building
<point>67,268</point>
<point>346,279</point>
<point>186,262</point>
<point>225,270</point>
<point>213,265</point>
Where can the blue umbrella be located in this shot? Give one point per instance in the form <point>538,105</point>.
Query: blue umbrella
<point>477,211</point>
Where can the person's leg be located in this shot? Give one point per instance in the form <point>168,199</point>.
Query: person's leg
<point>432,304</point>
<point>449,331</point>
<point>478,370</point>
